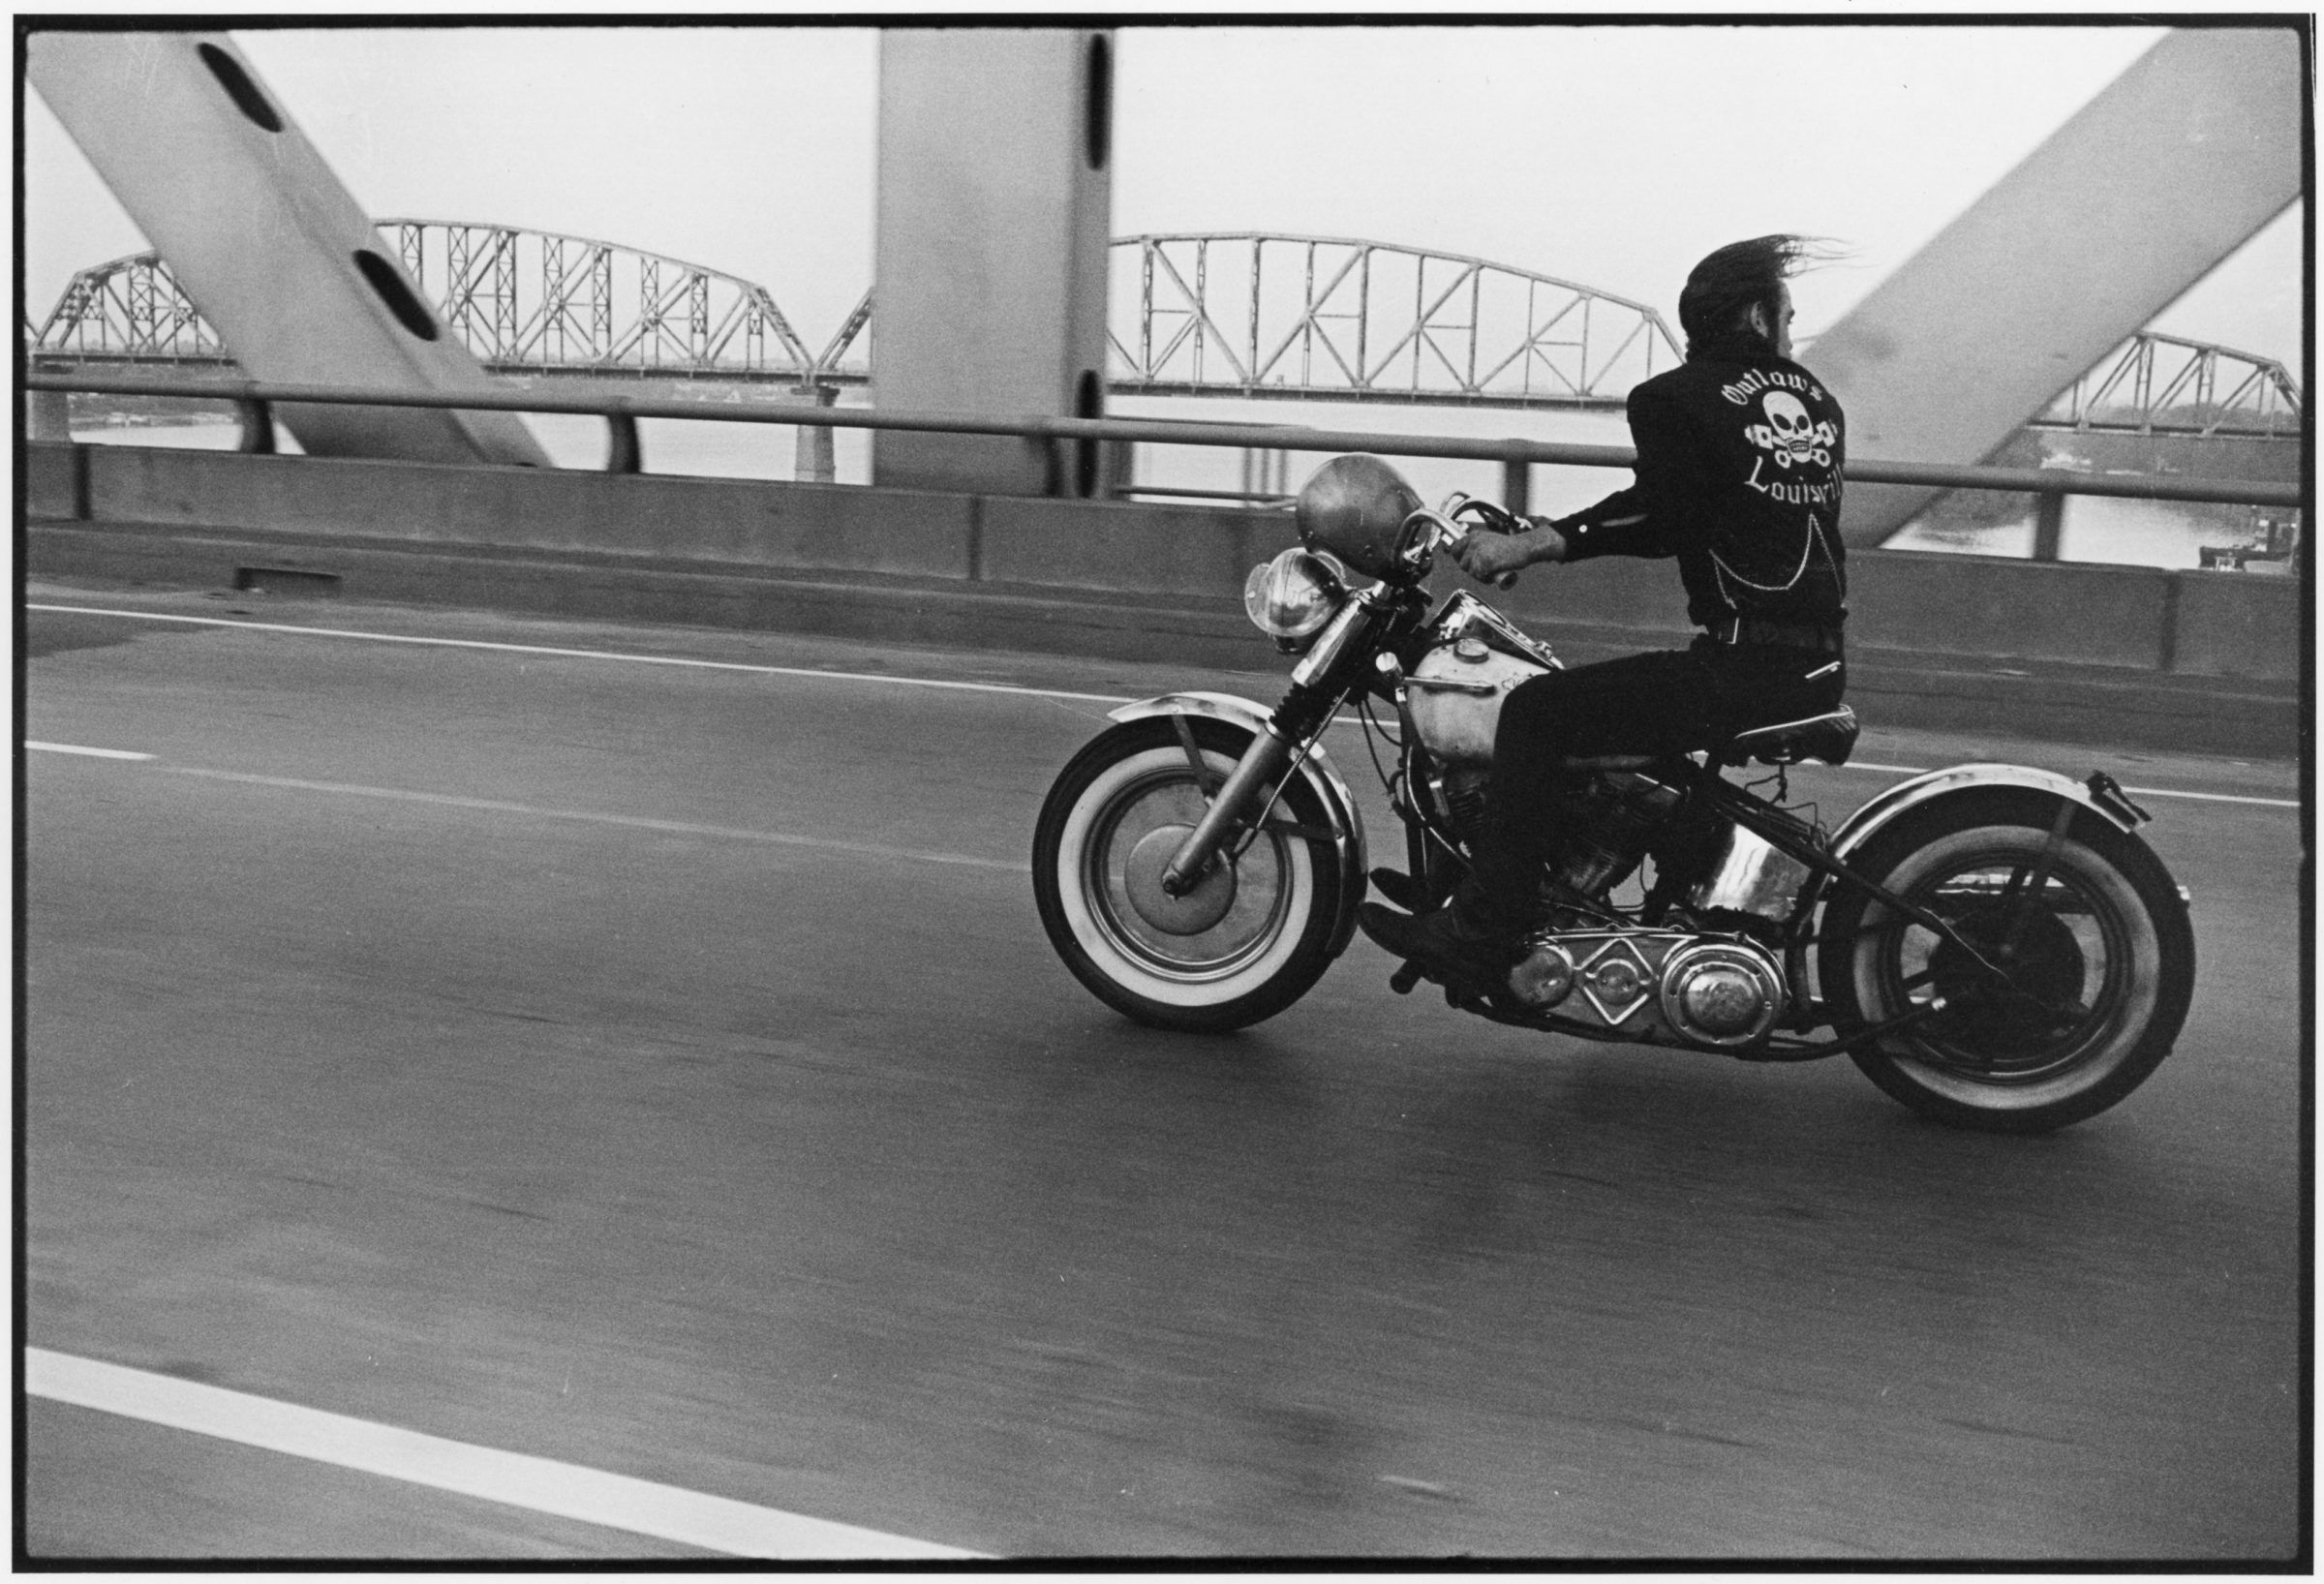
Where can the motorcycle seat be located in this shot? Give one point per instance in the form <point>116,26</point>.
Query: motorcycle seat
<point>1825,739</point>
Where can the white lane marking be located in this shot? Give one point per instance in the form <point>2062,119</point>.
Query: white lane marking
<point>859,676</point>
<point>591,654</point>
<point>94,753</point>
<point>540,1484</point>
<point>941,858</point>
<point>2211,796</point>
<point>2134,791</point>
<point>779,838</point>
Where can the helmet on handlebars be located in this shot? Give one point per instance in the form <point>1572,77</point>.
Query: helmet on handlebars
<point>1356,506</point>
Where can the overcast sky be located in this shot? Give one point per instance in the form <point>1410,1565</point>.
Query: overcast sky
<point>1613,156</point>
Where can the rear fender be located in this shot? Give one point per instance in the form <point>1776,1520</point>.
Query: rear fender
<point>1936,787</point>
<point>1321,776</point>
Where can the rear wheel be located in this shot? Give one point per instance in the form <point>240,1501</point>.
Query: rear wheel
<point>2097,954</point>
<point>1246,942</point>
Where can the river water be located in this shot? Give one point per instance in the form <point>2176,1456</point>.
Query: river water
<point>2131,533</point>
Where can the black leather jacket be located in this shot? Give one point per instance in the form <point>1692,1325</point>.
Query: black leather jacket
<point>1738,476</point>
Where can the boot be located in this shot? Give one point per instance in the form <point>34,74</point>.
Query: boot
<point>1400,890</point>
<point>1460,939</point>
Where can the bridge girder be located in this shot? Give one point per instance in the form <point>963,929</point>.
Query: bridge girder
<point>261,233</point>
<point>2169,169</point>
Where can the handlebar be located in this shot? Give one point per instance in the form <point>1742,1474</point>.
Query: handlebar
<point>1441,530</point>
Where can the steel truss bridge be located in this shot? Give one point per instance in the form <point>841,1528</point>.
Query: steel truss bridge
<point>1244,315</point>
<point>522,301</point>
<point>2161,384</point>
<point>1337,319</point>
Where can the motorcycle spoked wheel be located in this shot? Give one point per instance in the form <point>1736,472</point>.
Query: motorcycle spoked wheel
<point>1252,939</point>
<point>2101,975</point>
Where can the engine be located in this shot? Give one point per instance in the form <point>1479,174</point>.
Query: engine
<point>1453,700</point>
<point>1722,990</point>
<point>1460,792</point>
<point>1607,826</point>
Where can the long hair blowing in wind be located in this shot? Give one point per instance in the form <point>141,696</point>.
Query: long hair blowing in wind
<point>1730,279</point>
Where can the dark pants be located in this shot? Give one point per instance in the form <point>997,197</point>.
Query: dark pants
<point>1673,701</point>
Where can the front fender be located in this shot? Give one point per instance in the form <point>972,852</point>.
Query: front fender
<point>1317,769</point>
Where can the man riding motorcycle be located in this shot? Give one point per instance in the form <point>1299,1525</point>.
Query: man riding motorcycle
<point>1739,452</point>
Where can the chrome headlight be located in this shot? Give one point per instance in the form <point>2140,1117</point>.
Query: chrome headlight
<point>1294,597</point>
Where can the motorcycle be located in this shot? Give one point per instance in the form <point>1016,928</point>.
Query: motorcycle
<point>1992,945</point>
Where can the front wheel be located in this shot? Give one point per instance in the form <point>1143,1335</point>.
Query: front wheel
<point>2098,955</point>
<point>1243,944</point>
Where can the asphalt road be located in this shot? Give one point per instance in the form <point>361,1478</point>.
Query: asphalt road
<point>661,1070</point>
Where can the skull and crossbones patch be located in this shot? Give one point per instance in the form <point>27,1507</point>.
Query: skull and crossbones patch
<point>1791,434</point>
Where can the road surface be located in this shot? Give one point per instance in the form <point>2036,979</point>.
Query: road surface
<point>658,1069</point>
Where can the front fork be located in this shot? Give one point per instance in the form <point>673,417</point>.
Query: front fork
<point>1325,676</point>
<point>1248,789</point>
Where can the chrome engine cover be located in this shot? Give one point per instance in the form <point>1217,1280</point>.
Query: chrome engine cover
<point>1722,992</point>
<point>1718,991</point>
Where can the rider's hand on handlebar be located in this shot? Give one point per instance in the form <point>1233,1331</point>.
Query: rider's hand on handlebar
<point>1496,558</point>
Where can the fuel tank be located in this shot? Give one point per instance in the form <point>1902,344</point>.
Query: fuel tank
<point>1454,695</point>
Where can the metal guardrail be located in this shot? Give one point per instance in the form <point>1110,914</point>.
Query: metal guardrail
<point>1516,456</point>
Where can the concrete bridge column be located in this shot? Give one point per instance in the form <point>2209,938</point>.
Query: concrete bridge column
<point>995,215</point>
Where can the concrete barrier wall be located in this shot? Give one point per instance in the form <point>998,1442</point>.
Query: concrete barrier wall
<point>51,490</point>
<point>1977,605</point>
<point>2236,625</point>
<point>842,529</point>
<point>1980,608</point>
<point>1127,549</point>
<point>2132,619</point>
